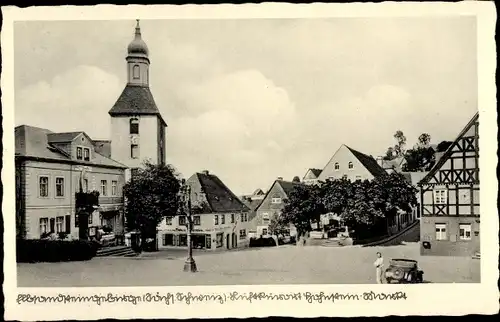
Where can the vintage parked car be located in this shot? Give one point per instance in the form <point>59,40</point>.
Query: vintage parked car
<point>403,271</point>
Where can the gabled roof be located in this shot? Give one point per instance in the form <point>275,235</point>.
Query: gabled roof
<point>218,196</point>
<point>258,192</point>
<point>33,142</point>
<point>368,162</point>
<point>286,186</point>
<point>448,151</point>
<point>136,100</point>
<point>252,204</point>
<point>314,171</point>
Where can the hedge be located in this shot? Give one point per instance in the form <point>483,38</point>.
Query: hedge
<point>262,242</point>
<point>37,250</point>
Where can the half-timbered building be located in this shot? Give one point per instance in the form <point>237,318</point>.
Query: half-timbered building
<point>450,198</point>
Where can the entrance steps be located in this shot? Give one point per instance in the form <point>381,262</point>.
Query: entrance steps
<point>333,242</point>
<point>116,251</point>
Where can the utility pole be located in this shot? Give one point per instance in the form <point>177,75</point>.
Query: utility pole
<point>189,264</point>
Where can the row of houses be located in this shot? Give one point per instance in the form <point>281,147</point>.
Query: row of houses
<point>447,199</point>
<point>50,167</point>
<point>346,163</point>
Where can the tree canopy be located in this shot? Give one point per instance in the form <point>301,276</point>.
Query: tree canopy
<point>151,195</point>
<point>303,206</point>
<point>361,205</point>
<point>398,149</point>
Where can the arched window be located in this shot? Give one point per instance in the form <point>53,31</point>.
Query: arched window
<point>350,165</point>
<point>337,166</point>
<point>135,72</point>
<point>134,126</point>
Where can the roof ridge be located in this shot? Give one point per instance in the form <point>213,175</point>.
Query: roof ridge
<point>448,151</point>
<point>202,190</point>
<point>368,162</point>
<point>233,196</point>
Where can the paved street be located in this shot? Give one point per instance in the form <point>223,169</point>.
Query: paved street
<point>277,265</point>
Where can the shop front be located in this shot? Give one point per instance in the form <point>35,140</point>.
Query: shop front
<point>201,238</point>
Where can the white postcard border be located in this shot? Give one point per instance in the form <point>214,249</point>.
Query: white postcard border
<point>425,299</point>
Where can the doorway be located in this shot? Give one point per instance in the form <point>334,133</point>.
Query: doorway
<point>235,241</point>
<point>227,242</point>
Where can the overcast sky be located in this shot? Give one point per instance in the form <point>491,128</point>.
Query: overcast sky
<point>251,100</point>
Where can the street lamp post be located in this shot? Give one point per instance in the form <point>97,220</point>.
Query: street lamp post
<point>189,264</point>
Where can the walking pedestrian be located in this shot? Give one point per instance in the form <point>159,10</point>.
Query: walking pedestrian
<point>379,263</point>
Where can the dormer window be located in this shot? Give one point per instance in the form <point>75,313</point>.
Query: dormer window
<point>337,166</point>
<point>79,155</point>
<point>86,154</point>
<point>134,126</point>
<point>350,165</point>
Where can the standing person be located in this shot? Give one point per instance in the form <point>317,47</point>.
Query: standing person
<point>379,263</point>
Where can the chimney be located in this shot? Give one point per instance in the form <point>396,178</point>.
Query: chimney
<point>205,172</point>
<point>380,160</point>
<point>279,178</point>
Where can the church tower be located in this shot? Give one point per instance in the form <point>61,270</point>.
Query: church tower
<point>138,131</point>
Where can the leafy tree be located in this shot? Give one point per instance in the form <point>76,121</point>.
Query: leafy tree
<point>394,194</point>
<point>389,154</point>
<point>399,148</point>
<point>366,206</point>
<point>296,179</point>
<point>335,195</point>
<point>443,146</point>
<point>151,195</point>
<point>277,226</point>
<point>424,139</point>
<point>303,207</point>
<point>421,157</point>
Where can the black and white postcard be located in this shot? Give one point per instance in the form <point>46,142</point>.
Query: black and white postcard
<point>249,160</point>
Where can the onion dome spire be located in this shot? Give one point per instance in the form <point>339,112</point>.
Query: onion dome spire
<point>138,47</point>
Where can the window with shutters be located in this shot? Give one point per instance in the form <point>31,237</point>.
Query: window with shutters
<point>44,226</point>
<point>59,224</point>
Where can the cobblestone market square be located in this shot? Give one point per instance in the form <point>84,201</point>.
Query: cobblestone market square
<point>277,265</point>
